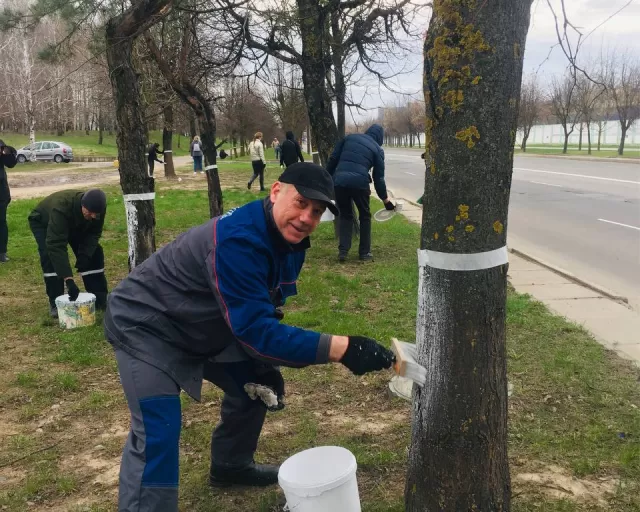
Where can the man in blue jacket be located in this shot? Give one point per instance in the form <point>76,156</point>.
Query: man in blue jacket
<point>207,306</point>
<point>349,164</point>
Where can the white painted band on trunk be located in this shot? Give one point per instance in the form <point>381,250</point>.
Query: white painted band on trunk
<point>209,167</point>
<point>148,196</point>
<point>89,272</point>
<point>50,274</point>
<point>473,261</point>
<point>168,151</point>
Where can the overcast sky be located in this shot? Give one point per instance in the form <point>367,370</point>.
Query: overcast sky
<point>620,32</point>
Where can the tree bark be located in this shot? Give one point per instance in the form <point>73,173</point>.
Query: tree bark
<point>340,87</point>
<point>566,141</point>
<point>315,60</point>
<point>623,136</point>
<point>525,137</point>
<point>167,142</point>
<point>589,137</point>
<point>580,137</point>
<point>130,125</point>
<point>473,70</point>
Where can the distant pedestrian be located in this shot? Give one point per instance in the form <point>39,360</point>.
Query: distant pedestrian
<point>153,157</point>
<point>349,164</point>
<point>196,154</point>
<point>290,151</point>
<point>276,147</point>
<point>7,159</point>
<point>258,162</point>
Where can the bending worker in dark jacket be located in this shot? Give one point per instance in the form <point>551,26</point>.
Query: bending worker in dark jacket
<point>206,306</point>
<point>349,165</point>
<point>7,159</point>
<point>74,218</point>
<point>290,151</point>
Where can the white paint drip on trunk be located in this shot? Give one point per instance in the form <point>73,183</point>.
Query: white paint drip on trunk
<point>132,230</point>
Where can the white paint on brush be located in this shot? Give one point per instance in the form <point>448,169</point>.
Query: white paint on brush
<point>132,230</point>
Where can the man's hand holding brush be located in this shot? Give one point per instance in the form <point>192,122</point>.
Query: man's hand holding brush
<point>360,354</point>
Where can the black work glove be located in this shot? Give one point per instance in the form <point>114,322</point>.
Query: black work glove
<point>365,355</point>
<point>279,313</point>
<point>72,289</point>
<point>82,263</point>
<point>389,206</point>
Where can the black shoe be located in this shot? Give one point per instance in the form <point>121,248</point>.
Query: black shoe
<point>366,257</point>
<point>342,257</point>
<point>249,186</point>
<point>253,475</point>
<point>53,311</point>
<point>3,257</point>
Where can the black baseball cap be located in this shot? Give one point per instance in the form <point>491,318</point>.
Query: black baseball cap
<point>311,181</point>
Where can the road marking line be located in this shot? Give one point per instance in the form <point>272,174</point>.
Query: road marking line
<point>619,224</point>
<point>577,175</point>
<point>412,173</point>
<point>548,184</point>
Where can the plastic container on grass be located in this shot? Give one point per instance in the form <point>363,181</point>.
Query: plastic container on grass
<point>320,479</point>
<point>78,313</point>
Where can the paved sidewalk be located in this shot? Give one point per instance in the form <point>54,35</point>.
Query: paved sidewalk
<point>612,323</point>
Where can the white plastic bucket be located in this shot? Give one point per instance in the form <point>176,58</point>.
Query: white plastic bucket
<point>78,313</point>
<point>399,205</point>
<point>327,216</point>
<point>321,479</point>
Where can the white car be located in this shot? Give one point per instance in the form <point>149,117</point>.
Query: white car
<point>46,150</point>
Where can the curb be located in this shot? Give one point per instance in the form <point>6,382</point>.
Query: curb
<point>564,273</point>
<point>615,160</point>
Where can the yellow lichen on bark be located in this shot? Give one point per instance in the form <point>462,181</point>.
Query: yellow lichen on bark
<point>498,227</point>
<point>468,135</point>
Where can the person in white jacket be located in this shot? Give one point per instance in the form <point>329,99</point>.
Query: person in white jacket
<point>258,162</point>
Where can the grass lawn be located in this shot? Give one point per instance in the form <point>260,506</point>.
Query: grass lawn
<point>630,152</point>
<point>574,419</point>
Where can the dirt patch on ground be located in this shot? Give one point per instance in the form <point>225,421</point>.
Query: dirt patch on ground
<point>555,482</point>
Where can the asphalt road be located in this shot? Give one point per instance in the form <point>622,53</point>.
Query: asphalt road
<point>582,216</point>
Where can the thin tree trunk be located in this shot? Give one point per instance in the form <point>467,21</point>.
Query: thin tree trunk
<point>315,60</point>
<point>580,137</point>
<point>167,141</point>
<point>566,142</point>
<point>458,454</point>
<point>589,137</point>
<point>338,72</point>
<point>599,134</point>
<point>192,125</point>
<point>623,135</point>
<point>131,140</point>
<point>100,125</point>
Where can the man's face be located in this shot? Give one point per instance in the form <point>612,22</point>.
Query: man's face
<point>295,216</point>
<point>88,215</point>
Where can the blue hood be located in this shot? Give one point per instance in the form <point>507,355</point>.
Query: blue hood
<point>376,132</point>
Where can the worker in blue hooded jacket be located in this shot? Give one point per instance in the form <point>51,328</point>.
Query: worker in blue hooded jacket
<point>349,164</point>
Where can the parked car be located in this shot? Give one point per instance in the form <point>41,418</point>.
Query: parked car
<point>46,150</point>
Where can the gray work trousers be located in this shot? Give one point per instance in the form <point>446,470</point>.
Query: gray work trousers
<point>150,460</point>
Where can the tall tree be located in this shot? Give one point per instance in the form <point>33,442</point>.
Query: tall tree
<point>563,104</point>
<point>473,56</point>
<point>529,111</point>
<point>623,82</point>
<point>121,31</point>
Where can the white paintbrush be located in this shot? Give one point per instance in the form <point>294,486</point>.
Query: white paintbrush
<point>406,364</point>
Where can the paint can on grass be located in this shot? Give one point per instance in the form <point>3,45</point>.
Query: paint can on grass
<point>320,479</point>
<point>78,313</point>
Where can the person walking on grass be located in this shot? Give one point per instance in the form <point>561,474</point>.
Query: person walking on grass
<point>229,277</point>
<point>196,154</point>
<point>290,151</point>
<point>71,218</point>
<point>153,157</point>
<point>7,159</point>
<point>349,164</point>
<point>258,161</point>
<point>276,148</point>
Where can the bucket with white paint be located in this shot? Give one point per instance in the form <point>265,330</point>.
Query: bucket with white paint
<point>78,313</point>
<point>319,480</point>
<point>327,216</point>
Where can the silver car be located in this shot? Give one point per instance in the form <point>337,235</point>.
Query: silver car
<point>46,150</point>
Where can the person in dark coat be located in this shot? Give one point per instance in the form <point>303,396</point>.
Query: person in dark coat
<point>74,218</point>
<point>349,164</point>
<point>153,157</point>
<point>290,151</point>
<point>7,159</point>
<point>207,306</point>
